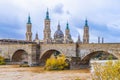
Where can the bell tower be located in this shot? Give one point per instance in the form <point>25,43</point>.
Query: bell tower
<point>86,32</point>
<point>47,30</point>
<point>67,38</point>
<point>29,32</point>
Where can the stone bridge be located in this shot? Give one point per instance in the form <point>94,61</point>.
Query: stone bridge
<point>83,51</point>
<point>15,51</point>
<point>40,53</point>
<point>46,50</point>
<point>67,49</point>
<point>88,50</point>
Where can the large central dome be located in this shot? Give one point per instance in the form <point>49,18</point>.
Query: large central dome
<point>58,36</point>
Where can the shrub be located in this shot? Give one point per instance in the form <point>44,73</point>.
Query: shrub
<point>109,71</point>
<point>110,57</point>
<point>56,63</point>
<point>2,60</point>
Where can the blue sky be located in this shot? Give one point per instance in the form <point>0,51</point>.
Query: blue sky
<point>103,17</point>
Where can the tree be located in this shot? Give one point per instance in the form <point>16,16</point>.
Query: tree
<point>56,63</point>
<point>109,71</point>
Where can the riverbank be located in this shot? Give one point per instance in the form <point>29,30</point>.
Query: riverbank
<point>14,72</point>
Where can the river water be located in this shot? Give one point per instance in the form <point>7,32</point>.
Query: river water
<point>14,72</point>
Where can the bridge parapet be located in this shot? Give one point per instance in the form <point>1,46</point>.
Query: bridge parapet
<point>86,49</point>
<point>8,51</point>
<point>67,49</point>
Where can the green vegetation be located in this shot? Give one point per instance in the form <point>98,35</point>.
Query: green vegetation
<point>2,60</point>
<point>110,57</point>
<point>104,56</point>
<point>109,71</point>
<point>24,64</point>
<point>56,63</point>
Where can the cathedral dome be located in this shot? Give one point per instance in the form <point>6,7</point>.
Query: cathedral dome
<point>58,35</point>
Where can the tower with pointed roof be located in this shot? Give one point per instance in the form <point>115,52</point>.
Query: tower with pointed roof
<point>36,36</point>
<point>78,41</point>
<point>86,32</point>
<point>29,30</point>
<point>47,30</point>
<point>37,39</point>
<point>67,38</point>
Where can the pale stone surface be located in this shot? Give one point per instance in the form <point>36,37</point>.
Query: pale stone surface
<point>13,73</point>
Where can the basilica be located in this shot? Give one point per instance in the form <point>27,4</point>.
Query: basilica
<point>36,51</point>
<point>59,37</point>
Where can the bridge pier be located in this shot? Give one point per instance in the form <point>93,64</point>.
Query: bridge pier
<point>77,63</point>
<point>32,57</point>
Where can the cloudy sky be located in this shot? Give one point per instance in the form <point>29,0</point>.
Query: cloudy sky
<point>103,17</point>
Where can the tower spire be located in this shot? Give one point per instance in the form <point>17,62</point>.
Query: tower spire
<point>86,32</point>
<point>47,14</point>
<point>86,23</point>
<point>47,30</point>
<point>29,29</point>
<point>29,19</point>
<point>58,25</point>
<point>78,41</point>
<point>36,37</point>
<point>67,38</point>
<point>67,26</point>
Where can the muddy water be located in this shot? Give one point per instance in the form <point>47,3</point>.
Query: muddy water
<point>14,72</point>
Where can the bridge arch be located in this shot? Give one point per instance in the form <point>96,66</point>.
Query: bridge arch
<point>87,58</point>
<point>47,54</point>
<point>19,56</point>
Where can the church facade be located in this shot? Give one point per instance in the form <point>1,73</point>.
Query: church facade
<point>59,37</point>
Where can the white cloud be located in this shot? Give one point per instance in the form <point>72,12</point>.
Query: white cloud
<point>114,25</point>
